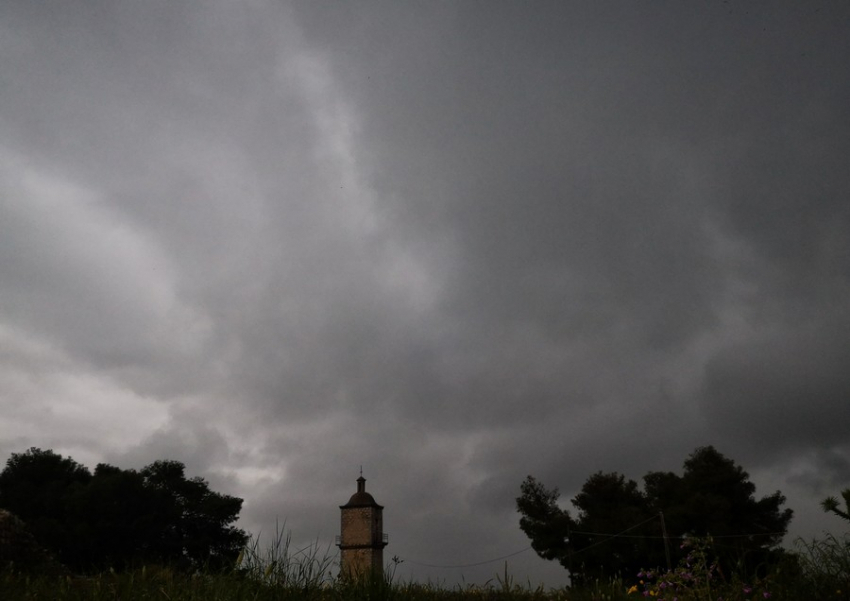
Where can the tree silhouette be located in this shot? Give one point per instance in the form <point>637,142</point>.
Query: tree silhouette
<point>620,528</point>
<point>831,505</point>
<point>118,518</point>
<point>547,525</point>
<point>195,523</point>
<point>36,486</point>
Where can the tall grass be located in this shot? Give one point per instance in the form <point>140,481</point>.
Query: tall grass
<point>818,570</point>
<point>277,565</point>
<point>825,567</point>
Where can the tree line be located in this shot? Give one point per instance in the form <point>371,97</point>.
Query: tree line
<point>117,518</point>
<point>621,528</point>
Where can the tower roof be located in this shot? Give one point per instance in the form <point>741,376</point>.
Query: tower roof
<point>361,498</point>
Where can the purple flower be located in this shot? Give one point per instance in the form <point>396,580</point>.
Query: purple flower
<point>766,594</point>
<point>747,589</point>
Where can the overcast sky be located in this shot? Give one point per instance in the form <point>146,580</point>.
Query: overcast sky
<point>456,243</point>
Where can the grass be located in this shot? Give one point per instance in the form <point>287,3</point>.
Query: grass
<point>825,566</point>
<point>819,569</point>
<point>276,566</point>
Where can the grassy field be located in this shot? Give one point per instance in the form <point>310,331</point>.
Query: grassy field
<point>818,570</point>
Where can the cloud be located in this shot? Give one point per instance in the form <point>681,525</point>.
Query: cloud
<point>455,246</point>
<point>785,389</point>
<point>47,395</point>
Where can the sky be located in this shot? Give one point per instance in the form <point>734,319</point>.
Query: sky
<point>454,243</point>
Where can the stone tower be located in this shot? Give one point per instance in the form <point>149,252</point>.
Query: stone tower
<point>362,540</point>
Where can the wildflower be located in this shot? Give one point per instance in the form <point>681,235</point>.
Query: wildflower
<point>633,589</point>
<point>747,589</point>
<point>766,594</point>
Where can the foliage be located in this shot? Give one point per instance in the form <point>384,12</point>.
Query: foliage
<point>193,523</point>
<point>543,521</point>
<point>698,577</point>
<point>608,503</point>
<point>280,575</point>
<point>714,497</point>
<point>36,486</point>
<point>820,570</point>
<point>278,566</point>
<point>118,518</point>
<point>825,567</point>
<point>618,526</point>
<point>19,549</point>
<point>830,505</point>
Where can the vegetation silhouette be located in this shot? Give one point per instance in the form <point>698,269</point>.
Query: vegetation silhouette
<point>831,505</point>
<point>116,519</point>
<point>620,528</point>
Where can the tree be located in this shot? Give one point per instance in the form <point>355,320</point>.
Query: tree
<point>716,493</point>
<point>831,505</point>
<point>547,525</point>
<point>115,520</point>
<point>716,498</point>
<point>196,526</point>
<point>36,486</point>
<point>609,504</point>
<point>118,518</point>
<point>620,528</point>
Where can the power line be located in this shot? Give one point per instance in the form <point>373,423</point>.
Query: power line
<point>469,565</point>
<point>682,537</point>
<point>623,534</point>
<point>608,536</point>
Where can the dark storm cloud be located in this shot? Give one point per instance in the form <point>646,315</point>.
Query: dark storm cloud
<point>583,202</point>
<point>558,215</point>
<point>455,243</point>
<point>610,192</point>
<point>789,389</point>
<point>827,473</point>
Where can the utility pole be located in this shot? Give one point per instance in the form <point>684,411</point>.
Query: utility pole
<point>666,542</point>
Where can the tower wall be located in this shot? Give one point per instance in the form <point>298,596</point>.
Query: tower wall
<point>359,563</point>
<point>361,526</point>
<point>362,539</point>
